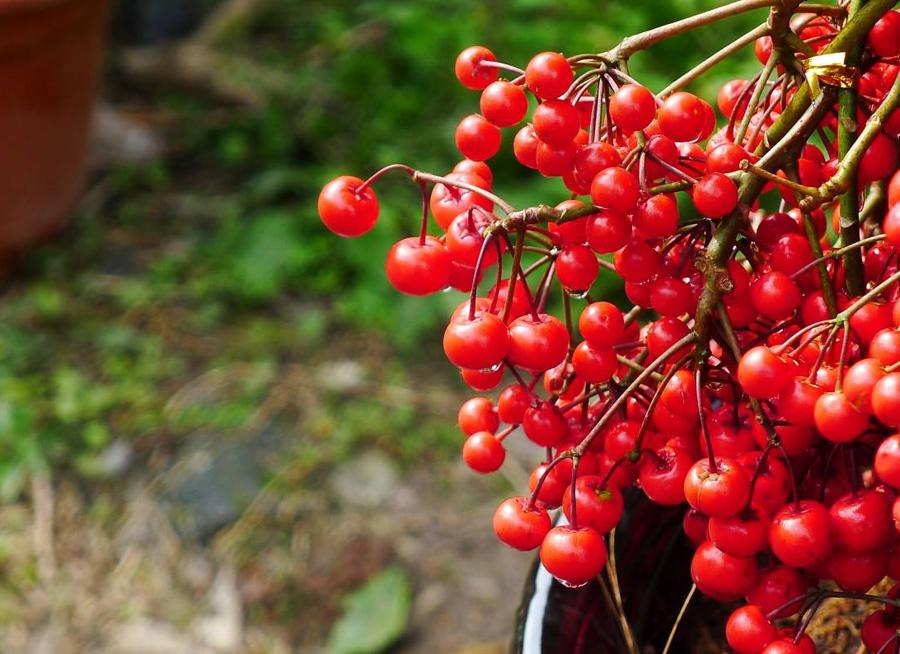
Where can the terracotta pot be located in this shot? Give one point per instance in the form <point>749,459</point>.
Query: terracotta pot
<point>50,56</point>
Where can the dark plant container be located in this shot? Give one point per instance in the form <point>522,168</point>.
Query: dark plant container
<point>50,56</point>
<point>652,557</point>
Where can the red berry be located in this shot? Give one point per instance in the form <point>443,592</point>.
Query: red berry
<point>520,525</point>
<point>479,343</point>
<point>548,75</point>
<point>762,373</point>
<point>476,138</point>
<point>837,419</point>
<point>662,475</point>
<point>346,211</point>
<point>575,556</point>
<point>748,630</point>
<point>743,534</point>
<point>885,399</point>
<point>504,103</point>
<point>555,122</point>
<point>776,587</point>
<point>468,71</point>
<point>577,268</point>
<point>682,117</point>
<point>607,231</point>
<point>483,452</point>
<point>615,188</point>
<point>537,345</point>
<point>417,268</point>
<point>602,324</point>
<point>800,534</point>
<point>884,37</point>
<point>593,364</point>
<point>477,414</point>
<point>721,493</point>
<point>715,195</point>
<point>597,507</point>
<point>722,576</point>
<point>512,403</point>
<point>887,461</point>
<point>632,107</point>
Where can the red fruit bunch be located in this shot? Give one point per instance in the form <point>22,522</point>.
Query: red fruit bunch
<point>754,375</point>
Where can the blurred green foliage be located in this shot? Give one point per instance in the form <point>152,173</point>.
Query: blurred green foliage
<point>216,256</point>
<point>374,85</point>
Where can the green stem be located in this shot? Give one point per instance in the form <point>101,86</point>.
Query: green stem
<point>849,204</point>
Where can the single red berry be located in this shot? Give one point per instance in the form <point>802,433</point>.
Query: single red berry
<point>482,380</point>
<point>476,138</point>
<point>775,295</point>
<point>468,71</point>
<point>555,122</point>
<point>602,324</point>
<point>478,344</point>
<point>577,268</point>
<point>715,195</point>
<point>503,103</point>
<point>544,425</point>
<point>762,373</point>
<point>607,231</point>
<point>743,534</point>
<point>345,210</point>
<point>776,587</point>
<point>537,344</point>
<point>800,534</point>
<point>520,525</point>
<point>722,576</point>
<point>512,404</point>
<point>657,216</point>
<point>615,188</point>
<point>884,37</point>
<point>748,630</point>
<point>662,475</point>
<point>574,556</point>
<point>632,107</point>
<point>837,419</point>
<point>723,492</point>
<point>682,117</point>
<point>593,364</point>
<point>417,268</point>
<point>885,399</point>
<point>548,75</point>
<point>597,507</point>
<point>638,262</point>
<point>878,629</point>
<point>477,414</point>
<point>887,461</point>
<point>483,453</point>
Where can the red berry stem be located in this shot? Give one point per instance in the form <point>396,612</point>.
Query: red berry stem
<point>686,340</point>
<point>378,174</point>
<point>760,466</point>
<point>479,264</point>
<point>837,252</point>
<point>507,67</point>
<point>807,618</point>
<point>423,233</point>
<point>648,414</point>
<point>644,40</point>
<point>698,396</point>
<point>713,60</point>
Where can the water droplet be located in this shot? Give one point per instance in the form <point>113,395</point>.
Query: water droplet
<point>578,295</point>
<point>571,585</point>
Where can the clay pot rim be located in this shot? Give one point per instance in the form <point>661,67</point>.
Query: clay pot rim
<point>19,7</point>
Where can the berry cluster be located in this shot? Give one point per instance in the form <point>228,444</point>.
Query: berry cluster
<point>756,375</point>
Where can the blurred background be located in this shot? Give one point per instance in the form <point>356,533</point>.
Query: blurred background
<point>220,430</point>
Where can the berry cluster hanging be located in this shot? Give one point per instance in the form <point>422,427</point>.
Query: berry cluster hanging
<point>756,375</point>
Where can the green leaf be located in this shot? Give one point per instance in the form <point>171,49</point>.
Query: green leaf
<point>376,616</point>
